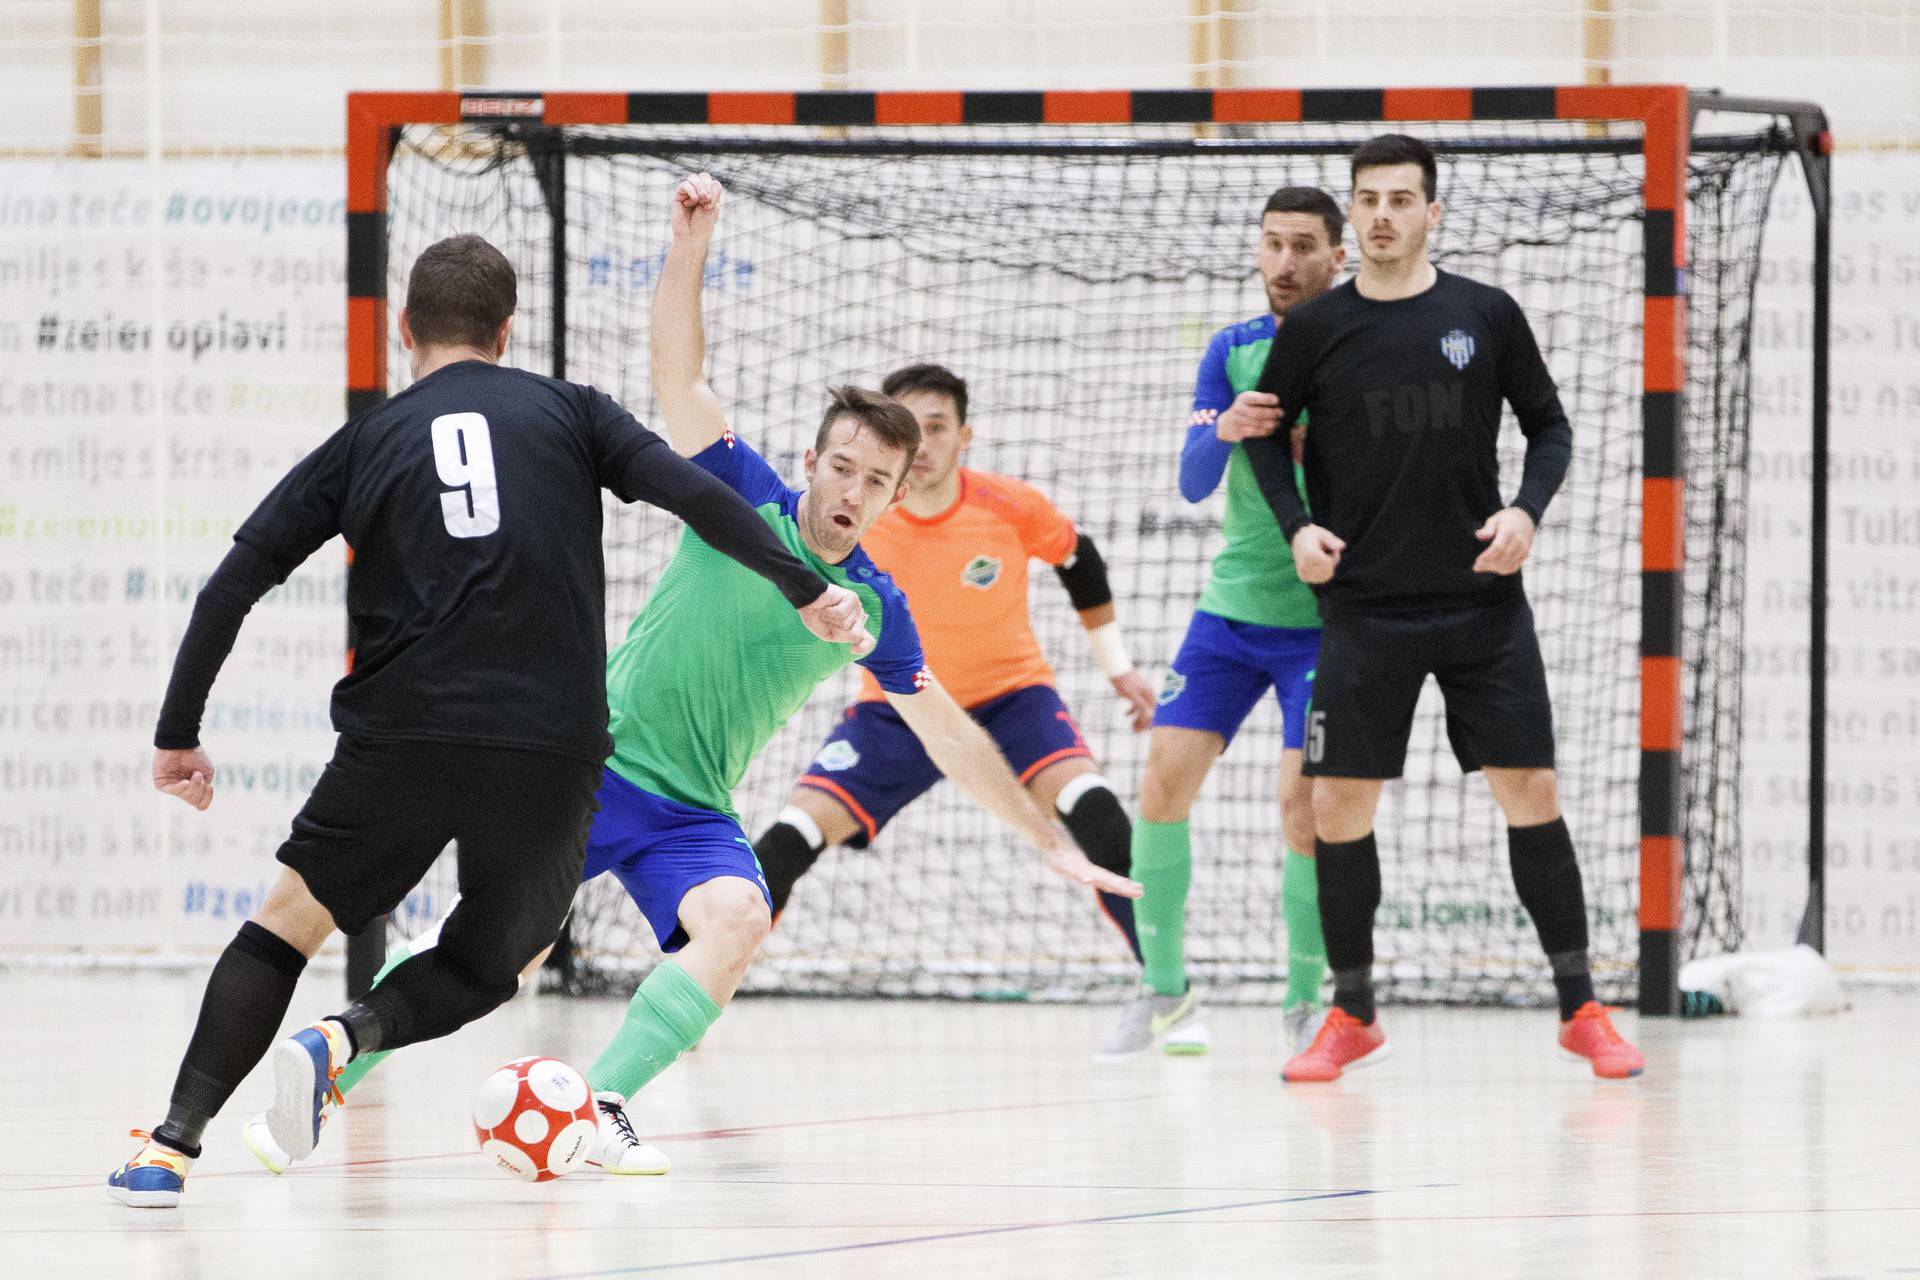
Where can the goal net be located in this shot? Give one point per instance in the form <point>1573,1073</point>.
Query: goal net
<point>1073,277</point>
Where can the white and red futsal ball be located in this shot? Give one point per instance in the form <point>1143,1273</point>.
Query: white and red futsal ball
<point>535,1119</point>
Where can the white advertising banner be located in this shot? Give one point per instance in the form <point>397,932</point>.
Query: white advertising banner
<point>167,349</point>
<point>1873,720</point>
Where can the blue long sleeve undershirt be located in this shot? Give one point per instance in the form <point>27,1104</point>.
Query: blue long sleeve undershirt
<point>1203,460</point>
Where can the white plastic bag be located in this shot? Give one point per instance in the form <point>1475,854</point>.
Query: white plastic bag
<point>1792,983</point>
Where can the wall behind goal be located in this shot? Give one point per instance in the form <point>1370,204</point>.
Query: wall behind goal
<point>170,284</point>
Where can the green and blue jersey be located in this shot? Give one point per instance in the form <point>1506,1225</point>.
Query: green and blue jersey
<point>718,660</point>
<point>1253,579</point>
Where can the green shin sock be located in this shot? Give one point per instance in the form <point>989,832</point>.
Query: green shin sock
<point>667,1016</point>
<point>1163,864</point>
<point>1306,948</point>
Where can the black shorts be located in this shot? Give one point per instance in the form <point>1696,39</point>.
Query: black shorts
<point>383,811</point>
<point>1486,659</point>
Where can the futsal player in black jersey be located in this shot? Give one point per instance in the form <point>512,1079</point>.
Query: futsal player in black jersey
<point>475,710</point>
<point>1416,558</point>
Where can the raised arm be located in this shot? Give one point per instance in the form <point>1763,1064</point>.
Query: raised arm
<point>965,753</point>
<point>677,339</point>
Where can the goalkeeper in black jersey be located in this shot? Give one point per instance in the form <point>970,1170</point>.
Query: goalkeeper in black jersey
<point>1401,372</point>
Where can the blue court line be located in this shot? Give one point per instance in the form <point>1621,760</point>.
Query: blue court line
<point>973,1234</point>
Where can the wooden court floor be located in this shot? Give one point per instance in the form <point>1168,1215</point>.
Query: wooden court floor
<point>927,1140</point>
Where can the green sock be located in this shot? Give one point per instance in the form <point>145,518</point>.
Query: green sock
<point>666,1017</point>
<point>1163,864</point>
<point>1306,948</point>
<point>357,1069</point>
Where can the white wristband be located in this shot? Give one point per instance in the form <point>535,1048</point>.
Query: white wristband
<point>1110,650</point>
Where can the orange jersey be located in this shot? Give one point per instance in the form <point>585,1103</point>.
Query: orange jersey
<point>965,575</point>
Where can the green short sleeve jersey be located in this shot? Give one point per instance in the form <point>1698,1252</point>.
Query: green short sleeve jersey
<point>1253,578</point>
<point>718,661</point>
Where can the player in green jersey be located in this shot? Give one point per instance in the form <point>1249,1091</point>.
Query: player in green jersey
<point>713,666</point>
<point>1257,627</point>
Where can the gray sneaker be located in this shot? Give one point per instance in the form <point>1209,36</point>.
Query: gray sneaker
<point>1302,1022</point>
<point>1172,1020</point>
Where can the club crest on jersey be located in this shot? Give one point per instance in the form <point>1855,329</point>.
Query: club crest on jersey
<point>836,756</point>
<point>922,678</point>
<point>1457,347</point>
<point>981,572</point>
<point>1171,686</point>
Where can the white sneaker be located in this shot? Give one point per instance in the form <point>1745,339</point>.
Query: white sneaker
<point>1188,1039</point>
<point>1151,1017</point>
<point>259,1139</point>
<point>621,1150</point>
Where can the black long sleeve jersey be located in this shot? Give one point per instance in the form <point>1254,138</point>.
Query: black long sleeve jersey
<point>1403,400</point>
<point>476,598</point>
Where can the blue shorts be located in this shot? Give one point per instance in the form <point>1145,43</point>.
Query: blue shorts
<point>875,766</point>
<point>1224,667</point>
<point>661,850</point>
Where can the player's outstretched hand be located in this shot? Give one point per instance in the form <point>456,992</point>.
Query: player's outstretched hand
<point>1252,414</point>
<point>1316,554</point>
<point>1508,534</point>
<point>184,774</point>
<point>1133,690</point>
<point>1064,859</point>
<point>696,206</point>
<point>838,617</point>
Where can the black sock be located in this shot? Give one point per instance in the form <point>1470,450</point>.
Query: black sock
<point>1104,833</point>
<point>1546,875</point>
<point>247,995</point>
<point>785,855</point>
<point>1348,875</point>
<point>1353,992</point>
<point>428,996</point>
<point>1572,984</point>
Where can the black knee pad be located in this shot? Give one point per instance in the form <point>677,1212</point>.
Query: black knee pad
<point>1101,828</point>
<point>785,855</point>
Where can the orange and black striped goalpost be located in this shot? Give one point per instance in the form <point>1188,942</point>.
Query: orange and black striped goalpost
<point>1665,116</point>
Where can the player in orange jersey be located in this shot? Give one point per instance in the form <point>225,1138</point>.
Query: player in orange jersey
<point>958,545</point>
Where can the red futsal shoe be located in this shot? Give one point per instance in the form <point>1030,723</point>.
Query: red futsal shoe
<point>1589,1037</point>
<point>1343,1041</point>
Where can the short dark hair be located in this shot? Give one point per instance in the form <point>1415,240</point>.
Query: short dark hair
<point>881,414</point>
<point>929,377</point>
<point>1309,200</point>
<point>459,293</point>
<point>1398,148</point>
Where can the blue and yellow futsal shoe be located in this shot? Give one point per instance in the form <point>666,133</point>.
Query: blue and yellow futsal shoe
<point>156,1178</point>
<point>305,1066</point>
